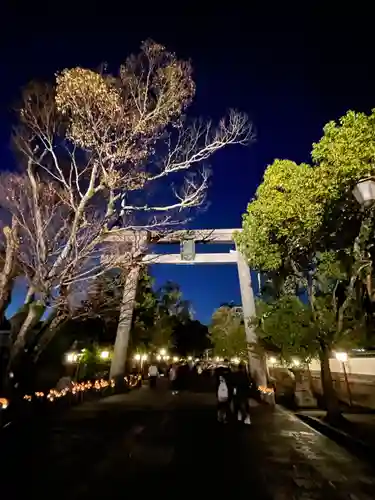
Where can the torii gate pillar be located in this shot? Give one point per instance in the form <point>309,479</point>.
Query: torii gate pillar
<point>256,364</point>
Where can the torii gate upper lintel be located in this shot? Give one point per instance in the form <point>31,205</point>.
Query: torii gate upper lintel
<point>207,236</point>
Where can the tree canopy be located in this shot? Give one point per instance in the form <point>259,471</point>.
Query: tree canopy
<point>307,232</point>
<point>227,333</point>
<point>302,207</point>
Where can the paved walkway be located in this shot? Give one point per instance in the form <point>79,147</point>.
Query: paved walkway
<point>359,425</point>
<point>147,443</point>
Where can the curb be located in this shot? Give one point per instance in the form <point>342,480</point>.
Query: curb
<point>353,445</point>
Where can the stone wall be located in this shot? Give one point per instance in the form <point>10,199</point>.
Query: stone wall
<point>361,380</point>
<point>360,374</point>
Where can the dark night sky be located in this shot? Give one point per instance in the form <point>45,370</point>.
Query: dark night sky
<point>290,70</point>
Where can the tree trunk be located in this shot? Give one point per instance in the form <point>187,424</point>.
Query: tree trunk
<point>329,393</point>
<point>49,330</point>
<point>124,326</point>
<point>35,312</point>
<point>9,270</point>
<point>5,297</point>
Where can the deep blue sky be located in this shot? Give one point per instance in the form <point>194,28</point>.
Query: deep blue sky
<point>290,70</point>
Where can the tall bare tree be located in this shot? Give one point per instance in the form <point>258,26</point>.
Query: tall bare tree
<point>120,149</point>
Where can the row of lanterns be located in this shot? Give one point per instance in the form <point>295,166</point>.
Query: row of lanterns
<point>75,388</point>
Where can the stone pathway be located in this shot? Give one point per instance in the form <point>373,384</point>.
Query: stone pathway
<point>151,443</point>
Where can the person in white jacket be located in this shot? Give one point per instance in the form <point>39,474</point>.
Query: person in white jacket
<point>153,374</point>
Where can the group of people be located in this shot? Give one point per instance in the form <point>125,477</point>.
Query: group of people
<point>234,388</point>
<point>179,376</point>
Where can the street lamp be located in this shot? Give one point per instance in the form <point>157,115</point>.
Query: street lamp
<point>162,352</point>
<point>272,360</point>
<point>104,354</point>
<point>364,192</point>
<point>343,358</point>
<point>71,357</point>
<point>175,359</point>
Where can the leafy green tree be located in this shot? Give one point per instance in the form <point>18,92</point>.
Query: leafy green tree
<point>299,331</point>
<point>171,311</point>
<point>227,333</point>
<point>191,337</point>
<point>144,313</point>
<point>306,230</point>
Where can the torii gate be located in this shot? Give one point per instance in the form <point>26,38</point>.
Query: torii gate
<point>137,255</point>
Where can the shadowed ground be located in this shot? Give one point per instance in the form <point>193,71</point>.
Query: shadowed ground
<point>149,442</point>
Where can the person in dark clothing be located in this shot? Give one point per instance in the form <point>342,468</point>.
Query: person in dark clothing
<point>182,377</point>
<point>173,373</point>
<point>224,392</point>
<point>242,389</point>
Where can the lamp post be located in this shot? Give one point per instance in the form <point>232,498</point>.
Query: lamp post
<point>72,358</point>
<point>364,192</point>
<point>343,358</point>
<point>141,358</point>
<point>104,355</point>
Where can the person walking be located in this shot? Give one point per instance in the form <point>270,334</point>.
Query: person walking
<point>224,392</point>
<point>173,379</point>
<point>242,386</point>
<point>153,374</point>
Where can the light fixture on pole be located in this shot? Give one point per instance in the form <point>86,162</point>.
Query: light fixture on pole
<point>74,358</point>
<point>364,192</point>
<point>343,358</point>
<point>272,360</point>
<point>71,357</point>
